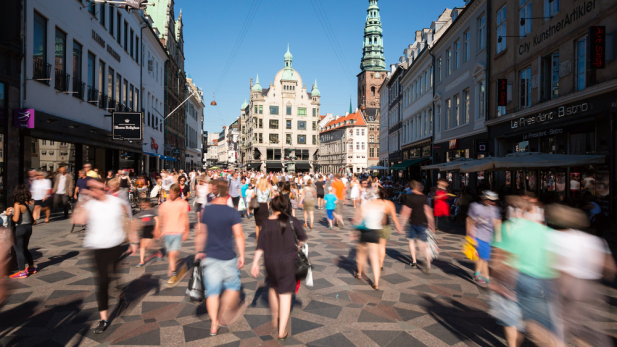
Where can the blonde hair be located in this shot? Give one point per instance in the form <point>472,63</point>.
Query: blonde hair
<point>274,180</point>
<point>262,184</point>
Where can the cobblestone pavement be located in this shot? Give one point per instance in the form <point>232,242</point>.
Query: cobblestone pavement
<point>57,306</point>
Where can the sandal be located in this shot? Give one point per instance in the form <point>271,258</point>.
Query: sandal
<point>357,275</point>
<point>284,338</point>
<point>375,287</point>
<point>218,327</point>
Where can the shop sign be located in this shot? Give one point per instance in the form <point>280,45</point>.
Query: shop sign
<point>481,146</point>
<point>543,117</point>
<point>437,146</point>
<point>453,144</point>
<point>549,132</point>
<point>127,126</point>
<point>577,13</point>
<point>175,151</point>
<point>96,37</point>
<point>23,118</point>
<point>502,92</point>
<point>168,148</point>
<point>597,45</point>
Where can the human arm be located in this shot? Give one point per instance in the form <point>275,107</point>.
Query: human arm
<point>200,241</point>
<point>187,225</point>
<point>16,212</point>
<point>428,211</point>
<point>80,214</point>
<point>255,267</point>
<point>497,229</point>
<point>405,213</point>
<point>77,191</point>
<point>239,237</point>
<point>157,230</point>
<point>392,213</point>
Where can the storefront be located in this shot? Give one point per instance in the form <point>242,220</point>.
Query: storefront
<point>411,166</point>
<point>580,127</point>
<point>475,147</point>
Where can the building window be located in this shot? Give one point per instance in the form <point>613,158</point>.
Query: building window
<point>288,110</point>
<point>465,117</point>
<point>525,12</point>
<point>126,36</point>
<point>288,124</point>
<point>371,152</point>
<point>137,53</point>
<point>261,123</point>
<point>362,132</point>
<point>481,33</point>
<point>371,138</point>
<point>363,145</point>
<point>581,63</point>
<point>119,31</point>
<point>448,117</point>
<point>261,138</point>
<point>466,46</point>
<point>426,81</point>
<point>551,8</point>
<point>40,41</point>
<point>91,71</point>
<point>274,124</point>
<point>301,111</point>
<point>261,109</point>
<point>351,146</point>
<point>430,120</point>
<point>60,51</point>
<point>501,29</point>
<point>131,97</point>
<point>256,109</point>
<point>448,62</point>
<point>274,110</point>
<point>302,139</point>
<point>314,112</point>
<point>91,8</point>
<point>131,51</point>
<point>525,87</point>
<point>111,21</point>
<point>481,106</point>
<point>314,139</point>
<point>357,145</point>
<point>438,70</point>
<point>457,54</point>
<point>102,14</point>
<point>111,85</point>
<point>549,82</point>
<point>456,114</point>
<point>301,125</point>
<point>288,139</point>
<point>438,119</point>
<point>314,125</point>
<point>274,138</point>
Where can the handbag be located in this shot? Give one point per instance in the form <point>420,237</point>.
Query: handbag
<point>303,264</point>
<point>196,290</point>
<point>254,204</point>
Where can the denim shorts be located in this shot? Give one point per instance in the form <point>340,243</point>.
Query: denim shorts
<point>219,274</point>
<point>484,250</point>
<point>172,242</point>
<point>536,298</point>
<point>418,231</point>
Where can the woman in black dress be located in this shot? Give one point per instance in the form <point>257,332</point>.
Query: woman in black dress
<point>278,246</point>
<point>262,194</point>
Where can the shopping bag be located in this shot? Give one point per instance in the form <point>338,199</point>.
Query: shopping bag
<point>309,274</point>
<point>196,290</point>
<point>469,249</point>
<point>431,241</point>
<point>155,191</point>
<point>241,206</point>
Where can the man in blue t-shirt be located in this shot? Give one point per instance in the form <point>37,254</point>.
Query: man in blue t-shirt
<point>220,228</point>
<point>330,200</point>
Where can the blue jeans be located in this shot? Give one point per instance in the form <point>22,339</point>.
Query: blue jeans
<point>536,297</point>
<point>172,242</point>
<point>219,274</point>
<point>418,231</point>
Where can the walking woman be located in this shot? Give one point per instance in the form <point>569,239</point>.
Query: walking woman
<point>372,215</point>
<point>386,230</point>
<point>308,203</point>
<point>22,213</point>
<point>278,246</point>
<point>355,192</point>
<point>262,194</point>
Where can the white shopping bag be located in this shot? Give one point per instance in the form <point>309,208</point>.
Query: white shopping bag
<point>309,275</point>
<point>241,206</point>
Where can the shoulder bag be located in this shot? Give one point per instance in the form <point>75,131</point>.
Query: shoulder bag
<point>303,264</point>
<point>254,204</point>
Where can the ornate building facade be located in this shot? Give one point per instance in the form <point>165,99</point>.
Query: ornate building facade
<point>282,123</point>
<point>371,78</point>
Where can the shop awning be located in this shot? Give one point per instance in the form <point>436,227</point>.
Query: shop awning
<point>303,165</point>
<point>408,163</point>
<point>169,158</point>
<point>378,167</point>
<point>154,154</point>
<point>455,165</point>
<point>531,160</point>
<point>256,166</point>
<point>274,165</point>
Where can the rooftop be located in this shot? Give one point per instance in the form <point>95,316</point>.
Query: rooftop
<point>352,119</point>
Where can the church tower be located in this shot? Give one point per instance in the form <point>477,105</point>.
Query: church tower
<point>373,66</point>
<point>373,63</point>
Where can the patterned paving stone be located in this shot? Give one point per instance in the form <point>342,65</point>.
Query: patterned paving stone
<point>56,277</point>
<point>338,340</point>
<point>382,338</point>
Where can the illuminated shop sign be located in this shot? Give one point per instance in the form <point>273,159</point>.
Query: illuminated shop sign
<point>543,117</point>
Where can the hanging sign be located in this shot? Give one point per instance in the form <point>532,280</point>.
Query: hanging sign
<point>453,144</point>
<point>502,92</point>
<point>597,47</point>
<point>481,146</point>
<point>127,126</point>
<point>23,118</point>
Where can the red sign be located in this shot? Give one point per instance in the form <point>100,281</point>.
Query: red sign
<point>502,92</point>
<point>437,146</point>
<point>597,47</point>
<point>453,144</point>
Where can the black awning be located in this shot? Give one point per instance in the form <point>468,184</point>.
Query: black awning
<point>303,166</point>
<point>254,165</point>
<point>274,165</point>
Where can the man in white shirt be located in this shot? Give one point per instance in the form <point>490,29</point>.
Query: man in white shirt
<point>166,182</point>
<point>64,185</point>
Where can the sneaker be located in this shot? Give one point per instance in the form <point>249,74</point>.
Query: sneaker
<point>479,280</point>
<point>413,265</point>
<point>173,279</point>
<point>103,324</point>
<point>31,270</point>
<point>140,265</point>
<point>19,274</point>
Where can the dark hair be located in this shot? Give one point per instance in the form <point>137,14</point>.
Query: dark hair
<point>382,194</point>
<point>22,195</point>
<point>286,187</point>
<point>221,187</point>
<point>279,204</point>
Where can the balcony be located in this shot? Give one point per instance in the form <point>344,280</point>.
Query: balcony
<point>78,88</point>
<point>61,82</point>
<point>121,108</point>
<point>41,71</point>
<point>103,101</point>
<point>93,95</point>
<point>111,104</point>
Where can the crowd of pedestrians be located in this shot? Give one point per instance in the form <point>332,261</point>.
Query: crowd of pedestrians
<point>539,263</point>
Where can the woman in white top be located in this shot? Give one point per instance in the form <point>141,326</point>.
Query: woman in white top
<point>355,191</point>
<point>263,194</point>
<point>41,194</point>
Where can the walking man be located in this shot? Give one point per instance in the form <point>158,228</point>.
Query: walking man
<point>219,229</point>
<point>174,221</point>
<point>483,220</point>
<point>340,190</point>
<point>235,185</point>
<point>63,189</point>
<point>420,216</point>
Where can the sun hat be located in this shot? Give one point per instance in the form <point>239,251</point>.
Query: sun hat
<point>489,195</point>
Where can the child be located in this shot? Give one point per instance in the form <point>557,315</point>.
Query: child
<point>146,223</point>
<point>483,220</point>
<point>330,200</point>
<point>249,195</point>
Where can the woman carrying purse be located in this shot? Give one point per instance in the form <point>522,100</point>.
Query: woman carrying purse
<point>22,217</point>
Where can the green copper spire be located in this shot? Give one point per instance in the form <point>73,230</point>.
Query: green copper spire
<point>315,91</point>
<point>288,74</point>
<point>372,50</point>
<point>244,106</point>
<point>257,87</point>
<point>350,108</point>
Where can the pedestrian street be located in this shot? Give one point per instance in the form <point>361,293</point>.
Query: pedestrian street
<point>57,306</point>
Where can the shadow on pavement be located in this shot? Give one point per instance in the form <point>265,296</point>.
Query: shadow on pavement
<point>56,259</point>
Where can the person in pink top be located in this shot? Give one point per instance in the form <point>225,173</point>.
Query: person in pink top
<point>174,221</point>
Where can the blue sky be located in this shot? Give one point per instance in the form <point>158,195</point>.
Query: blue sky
<point>211,29</point>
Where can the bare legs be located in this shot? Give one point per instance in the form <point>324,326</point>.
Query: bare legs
<point>312,215</point>
<point>280,306</point>
<point>482,268</point>
<point>513,337</point>
<point>256,233</point>
<point>382,251</point>
<point>142,249</point>
<point>217,307</point>
<point>172,261</point>
<point>412,250</point>
<point>372,249</point>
